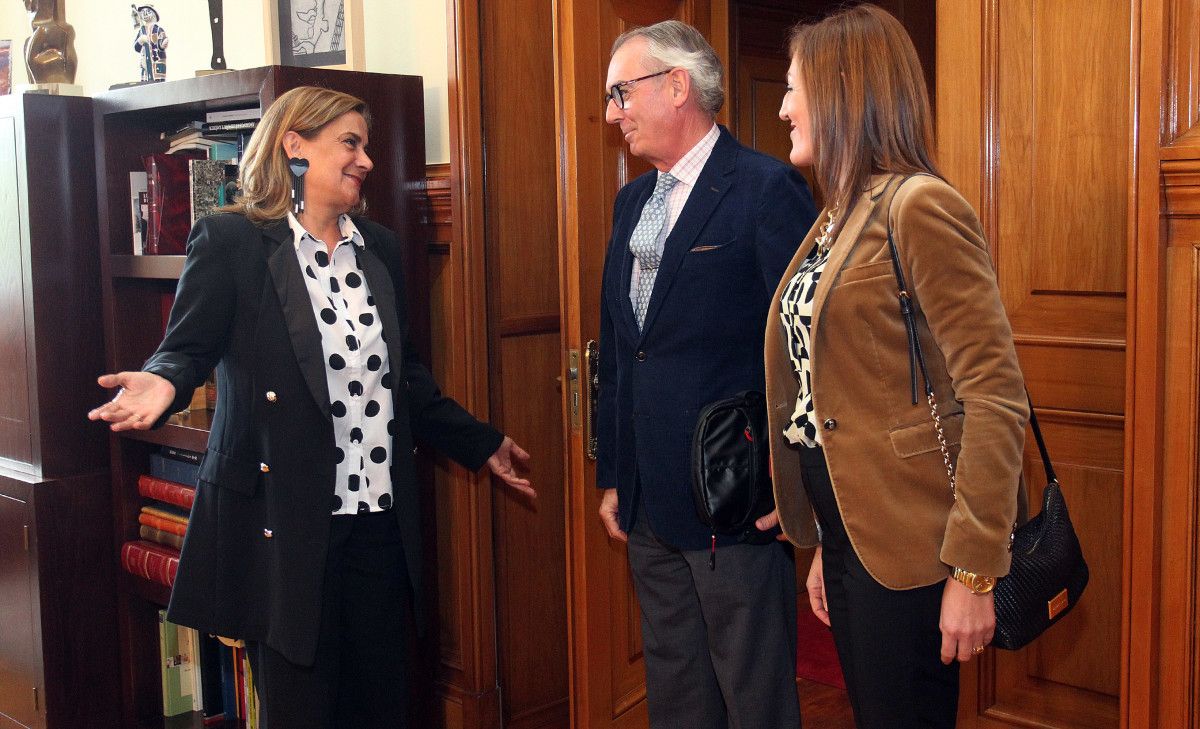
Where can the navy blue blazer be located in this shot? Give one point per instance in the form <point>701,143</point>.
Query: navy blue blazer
<point>254,557</point>
<point>703,334</point>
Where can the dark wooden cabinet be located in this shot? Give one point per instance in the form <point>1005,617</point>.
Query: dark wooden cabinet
<point>57,605</point>
<point>128,124</point>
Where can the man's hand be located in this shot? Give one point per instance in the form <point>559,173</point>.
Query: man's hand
<point>769,522</point>
<point>140,402</point>
<point>608,515</point>
<point>501,464</point>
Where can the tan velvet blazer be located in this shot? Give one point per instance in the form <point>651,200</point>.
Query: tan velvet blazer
<point>884,461</point>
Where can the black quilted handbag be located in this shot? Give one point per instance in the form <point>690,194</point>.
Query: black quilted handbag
<point>731,469</point>
<point>1048,572</point>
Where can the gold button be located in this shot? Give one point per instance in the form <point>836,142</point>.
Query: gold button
<point>271,396</point>
<point>264,468</point>
<point>268,533</point>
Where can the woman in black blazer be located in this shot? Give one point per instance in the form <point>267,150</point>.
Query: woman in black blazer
<point>304,538</point>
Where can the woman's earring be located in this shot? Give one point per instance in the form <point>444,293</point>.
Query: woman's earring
<point>298,166</point>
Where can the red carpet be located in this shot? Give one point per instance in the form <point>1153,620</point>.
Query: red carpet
<point>816,657</point>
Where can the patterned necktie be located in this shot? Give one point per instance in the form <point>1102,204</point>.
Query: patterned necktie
<point>644,244</point>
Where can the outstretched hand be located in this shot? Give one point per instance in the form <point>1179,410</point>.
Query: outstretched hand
<point>501,464</point>
<point>141,400</point>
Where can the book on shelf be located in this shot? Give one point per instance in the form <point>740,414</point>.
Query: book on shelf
<point>177,685</point>
<point>207,179</point>
<point>171,492</point>
<point>169,469</point>
<point>232,115</point>
<point>138,210</point>
<point>158,522</point>
<point>151,561</point>
<point>160,536</point>
<point>170,203</point>
<point>181,454</point>
<point>167,511</point>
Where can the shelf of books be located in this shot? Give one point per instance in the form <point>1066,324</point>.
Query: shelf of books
<point>166,154</point>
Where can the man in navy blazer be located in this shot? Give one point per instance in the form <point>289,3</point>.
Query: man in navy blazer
<point>697,248</point>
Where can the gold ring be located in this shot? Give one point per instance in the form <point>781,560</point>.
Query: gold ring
<point>977,649</point>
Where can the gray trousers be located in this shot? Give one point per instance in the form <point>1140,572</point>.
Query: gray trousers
<point>719,645</point>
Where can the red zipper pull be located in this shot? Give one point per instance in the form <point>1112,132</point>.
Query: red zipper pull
<point>712,555</point>
<point>749,436</point>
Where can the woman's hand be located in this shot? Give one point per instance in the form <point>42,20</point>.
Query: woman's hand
<point>815,584</point>
<point>141,400</point>
<point>501,463</point>
<point>967,623</point>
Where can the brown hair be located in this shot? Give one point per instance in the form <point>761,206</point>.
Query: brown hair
<point>263,178</point>
<point>868,105</point>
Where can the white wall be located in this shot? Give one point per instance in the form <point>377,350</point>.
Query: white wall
<point>400,36</point>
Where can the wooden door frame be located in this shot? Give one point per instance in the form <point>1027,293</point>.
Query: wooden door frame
<point>469,679</point>
<point>1160,642</point>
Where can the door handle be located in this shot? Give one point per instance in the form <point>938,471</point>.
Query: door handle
<point>592,376</point>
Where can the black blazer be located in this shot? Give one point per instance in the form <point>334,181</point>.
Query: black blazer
<point>703,332</point>
<point>254,556</point>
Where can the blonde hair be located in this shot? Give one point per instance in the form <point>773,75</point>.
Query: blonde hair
<point>263,178</point>
<point>867,101</point>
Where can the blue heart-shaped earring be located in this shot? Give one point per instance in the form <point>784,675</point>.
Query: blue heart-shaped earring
<point>298,167</point>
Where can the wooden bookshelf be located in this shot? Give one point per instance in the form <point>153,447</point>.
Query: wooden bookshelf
<point>128,124</point>
<point>58,618</point>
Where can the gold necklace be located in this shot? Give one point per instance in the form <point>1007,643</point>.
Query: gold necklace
<point>823,242</point>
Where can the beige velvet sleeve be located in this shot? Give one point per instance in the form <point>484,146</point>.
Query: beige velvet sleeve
<point>951,275</point>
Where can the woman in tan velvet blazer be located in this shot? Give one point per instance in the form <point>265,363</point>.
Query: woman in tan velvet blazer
<point>904,566</point>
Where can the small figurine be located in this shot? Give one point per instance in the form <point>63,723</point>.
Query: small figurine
<point>150,43</point>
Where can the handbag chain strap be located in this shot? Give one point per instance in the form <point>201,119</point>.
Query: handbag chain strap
<point>916,360</point>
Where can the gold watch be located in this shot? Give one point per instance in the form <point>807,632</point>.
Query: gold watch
<point>978,584</point>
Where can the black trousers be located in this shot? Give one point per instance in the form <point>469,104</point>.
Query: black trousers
<point>360,678</point>
<point>888,641</point>
<point>719,644</point>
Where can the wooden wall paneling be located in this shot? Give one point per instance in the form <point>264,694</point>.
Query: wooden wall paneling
<point>525,361</point>
<point>1029,132</point>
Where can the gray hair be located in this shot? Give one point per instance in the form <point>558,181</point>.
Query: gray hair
<point>678,45</point>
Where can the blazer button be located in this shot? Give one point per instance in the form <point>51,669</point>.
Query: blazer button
<point>640,356</point>
<point>268,533</point>
<point>831,424</point>
<point>271,396</point>
<point>264,468</point>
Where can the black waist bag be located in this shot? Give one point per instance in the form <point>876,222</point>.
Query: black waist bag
<point>731,470</point>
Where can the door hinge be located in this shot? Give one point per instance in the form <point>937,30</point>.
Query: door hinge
<point>36,706</point>
<point>25,537</point>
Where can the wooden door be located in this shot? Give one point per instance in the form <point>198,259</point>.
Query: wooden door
<point>1035,129</point>
<point>607,680</point>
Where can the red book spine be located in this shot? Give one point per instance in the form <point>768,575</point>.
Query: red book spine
<point>151,561</point>
<point>168,491</point>
<point>166,525</point>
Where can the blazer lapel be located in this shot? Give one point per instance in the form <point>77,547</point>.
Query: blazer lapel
<point>379,280</point>
<point>714,181</point>
<point>297,311</point>
<point>847,240</point>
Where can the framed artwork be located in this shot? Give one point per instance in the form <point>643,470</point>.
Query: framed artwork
<point>311,33</point>
<point>5,66</point>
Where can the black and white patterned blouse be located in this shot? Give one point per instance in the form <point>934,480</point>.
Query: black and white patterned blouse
<point>357,370</point>
<point>796,309</point>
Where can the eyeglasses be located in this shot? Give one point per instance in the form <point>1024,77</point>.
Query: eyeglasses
<point>617,91</point>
